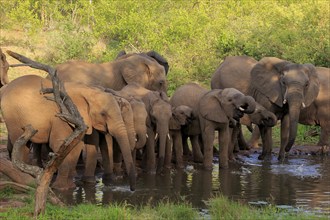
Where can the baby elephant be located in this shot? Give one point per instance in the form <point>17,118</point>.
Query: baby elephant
<point>214,110</point>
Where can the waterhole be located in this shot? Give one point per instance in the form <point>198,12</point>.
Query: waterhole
<point>302,182</point>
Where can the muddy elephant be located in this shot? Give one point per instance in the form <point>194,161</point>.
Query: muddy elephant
<point>229,75</point>
<point>134,116</point>
<point>159,58</point>
<point>283,88</point>
<point>214,110</point>
<point>159,114</point>
<point>136,68</point>
<point>23,104</point>
<point>4,66</point>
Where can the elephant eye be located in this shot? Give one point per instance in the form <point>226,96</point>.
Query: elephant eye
<point>307,84</point>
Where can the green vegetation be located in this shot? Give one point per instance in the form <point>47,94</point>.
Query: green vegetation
<point>220,208</point>
<point>194,36</point>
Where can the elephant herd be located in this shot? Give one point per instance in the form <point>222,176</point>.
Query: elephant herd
<point>131,119</point>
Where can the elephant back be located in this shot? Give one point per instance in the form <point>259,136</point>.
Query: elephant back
<point>233,72</point>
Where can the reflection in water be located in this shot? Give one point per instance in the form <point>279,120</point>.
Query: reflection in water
<point>299,183</point>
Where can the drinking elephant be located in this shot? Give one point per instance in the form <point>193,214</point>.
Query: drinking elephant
<point>229,75</point>
<point>134,116</point>
<point>283,88</point>
<point>214,110</point>
<point>181,116</point>
<point>160,59</point>
<point>159,114</point>
<point>23,104</point>
<point>4,66</point>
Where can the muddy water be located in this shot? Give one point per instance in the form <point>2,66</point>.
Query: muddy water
<point>303,182</point>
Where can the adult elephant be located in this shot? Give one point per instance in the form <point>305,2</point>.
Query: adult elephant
<point>234,72</point>
<point>214,110</point>
<point>318,112</point>
<point>159,115</point>
<point>136,68</point>
<point>159,58</point>
<point>22,104</point>
<point>4,66</point>
<point>282,87</point>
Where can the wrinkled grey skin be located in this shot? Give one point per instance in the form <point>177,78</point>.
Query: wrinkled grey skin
<point>181,116</point>
<point>230,75</point>
<point>283,88</point>
<point>159,115</point>
<point>214,110</point>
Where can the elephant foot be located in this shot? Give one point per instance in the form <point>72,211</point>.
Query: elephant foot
<point>198,159</point>
<point>281,157</point>
<point>63,184</point>
<point>89,179</point>
<point>151,171</point>
<point>264,156</point>
<point>223,165</point>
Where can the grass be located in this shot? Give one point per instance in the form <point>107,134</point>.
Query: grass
<point>220,207</point>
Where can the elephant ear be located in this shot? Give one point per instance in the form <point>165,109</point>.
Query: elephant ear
<point>160,59</point>
<point>84,111</point>
<point>313,84</point>
<point>4,66</point>
<point>135,69</point>
<point>265,78</point>
<point>210,106</point>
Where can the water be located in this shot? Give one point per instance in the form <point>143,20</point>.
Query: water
<point>302,182</point>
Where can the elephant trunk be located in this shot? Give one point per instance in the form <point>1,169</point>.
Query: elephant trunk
<point>163,132</point>
<point>249,105</point>
<point>295,104</point>
<point>269,120</point>
<point>141,139</point>
<point>120,133</point>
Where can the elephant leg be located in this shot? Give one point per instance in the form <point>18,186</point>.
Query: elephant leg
<point>186,150</point>
<point>241,140</point>
<point>325,134</point>
<point>168,152</point>
<point>267,142</point>
<point>177,145</point>
<point>150,154</point>
<point>90,163</point>
<point>117,159</point>
<point>196,149</point>
<point>254,140</point>
<point>208,138</point>
<point>284,136</point>
<point>233,133</point>
<point>63,180</point>
<point>106,147</point>
<point>224,136</point>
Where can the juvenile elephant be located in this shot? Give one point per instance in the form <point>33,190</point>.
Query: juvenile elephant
<point>23,104</point>
<point>181,116</point>
<point>229,75</point>
<point>215,110</point>
<point>159,115</point>
<point>283,88</point>
<point>134,118</point>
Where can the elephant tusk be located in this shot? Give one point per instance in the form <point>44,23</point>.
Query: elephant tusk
<point>156,136</point>
<point>303,105</point>
<point>169,137</point>
<point>284,101</point>
<point>241,109</point>
<point>147,136</point>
